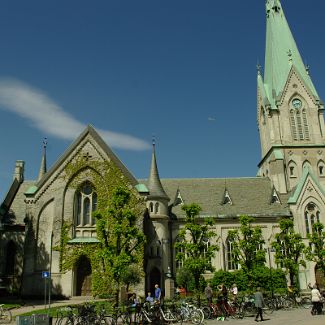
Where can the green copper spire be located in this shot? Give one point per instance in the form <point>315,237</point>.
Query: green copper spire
<point>281,54</point>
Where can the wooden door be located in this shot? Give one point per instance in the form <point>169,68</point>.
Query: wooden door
<point>83,281</point>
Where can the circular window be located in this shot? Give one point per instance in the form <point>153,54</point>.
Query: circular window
<point>296,103</point>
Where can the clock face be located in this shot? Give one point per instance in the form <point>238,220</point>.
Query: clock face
<point>296,103</point>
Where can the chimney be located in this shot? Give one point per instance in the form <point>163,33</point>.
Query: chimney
<point>19,171</point>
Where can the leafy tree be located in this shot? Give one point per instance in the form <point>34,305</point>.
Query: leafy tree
<point>247,244</point>
<point>132,275</point>
<point>289,248</point>
<point>122,240</point>
<point>184,278</point>
<point>194,246</point>
<point>316,251</point>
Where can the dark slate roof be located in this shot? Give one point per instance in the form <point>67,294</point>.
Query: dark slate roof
<point>251,196</point>
<point>155,187</point>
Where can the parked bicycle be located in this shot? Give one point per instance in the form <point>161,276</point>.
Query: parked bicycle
<point>5,315</point>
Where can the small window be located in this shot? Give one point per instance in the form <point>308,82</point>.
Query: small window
<point>156,207</point>
<point>321,168</point>
<point>227,198</point>
<point>151,207</point>
<point>292,169</point>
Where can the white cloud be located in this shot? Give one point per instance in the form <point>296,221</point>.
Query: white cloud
<point>43,113</point>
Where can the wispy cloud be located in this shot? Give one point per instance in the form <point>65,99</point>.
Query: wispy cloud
<point>43,113</point>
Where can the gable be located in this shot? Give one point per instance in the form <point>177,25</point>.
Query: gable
<point>89,146</point>
<point>307,187</point>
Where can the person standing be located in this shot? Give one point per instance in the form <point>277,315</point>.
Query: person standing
<point>149,298</point>
<point>234,291</point>
<point>208,293</point>
<point>316,299</point>
<point>259,303</point>
<point>157,293</point>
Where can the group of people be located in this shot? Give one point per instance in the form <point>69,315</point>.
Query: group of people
<point>222,296</point>
<point>134,300</point>
<point>222,292</point>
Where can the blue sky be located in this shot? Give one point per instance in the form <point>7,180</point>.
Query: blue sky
<point>181,70</point>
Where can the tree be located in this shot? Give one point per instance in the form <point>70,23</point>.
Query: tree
<point>132,275</point>
<point>315,252</point>
<point>289,248</point>
<point>247,243</point>
<point>184,278</point>
<point>194,243</point>
<point>122,240</point>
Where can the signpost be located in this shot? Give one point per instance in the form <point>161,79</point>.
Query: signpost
<point>45,275</point>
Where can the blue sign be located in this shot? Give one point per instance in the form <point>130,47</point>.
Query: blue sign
<point>45,274</point>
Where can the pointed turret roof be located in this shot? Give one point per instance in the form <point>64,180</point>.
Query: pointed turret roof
<point>281,54</point>
<point>154,184</point>
<point>43,168</point>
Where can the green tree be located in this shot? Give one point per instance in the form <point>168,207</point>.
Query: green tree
<point>194,246</point>
<point>247,244</point>
<point>315,252</point>
<point>122,239</point>
<point>184,278</point>
<point>132,275</point>
<point>289,250</point>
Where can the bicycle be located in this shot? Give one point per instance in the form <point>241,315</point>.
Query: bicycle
<point>65,316</point>
<point>118,317</point>
<point>5,315</point>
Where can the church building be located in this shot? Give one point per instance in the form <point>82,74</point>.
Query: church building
<point>290,182</point>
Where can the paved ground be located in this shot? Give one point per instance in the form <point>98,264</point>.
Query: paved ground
<point>282,317</point>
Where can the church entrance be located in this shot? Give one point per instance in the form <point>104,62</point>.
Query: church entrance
<point>154,278</point>
<point>83,277</point>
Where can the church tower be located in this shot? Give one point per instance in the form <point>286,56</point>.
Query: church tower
<point>159,262</point>
<point>289,110</point>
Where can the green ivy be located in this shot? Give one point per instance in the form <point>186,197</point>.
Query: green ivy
<point>105,177</point>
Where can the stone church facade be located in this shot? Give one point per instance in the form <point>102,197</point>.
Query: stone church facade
<point>290,183</point>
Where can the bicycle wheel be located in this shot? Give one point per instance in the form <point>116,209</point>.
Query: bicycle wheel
<point>172,317</point>
<point>125,318</point>
<point>5,317</point>
<point>207,312</point>
<point>306,302</point>
<point>196,316</point>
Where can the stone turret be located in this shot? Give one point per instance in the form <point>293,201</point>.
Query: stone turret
<point>19,171</point>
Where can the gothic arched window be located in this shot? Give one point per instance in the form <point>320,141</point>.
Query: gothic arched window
<point>151,207</point>
<point>312,215</point>
<point>298,120</point>
<point>230,262</point>
<point>85,204</point>
<point>156,207</point>
<point>321,168</point>
<point>179,263</point>
<point>292,169</point>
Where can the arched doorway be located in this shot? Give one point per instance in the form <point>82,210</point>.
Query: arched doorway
<point>154,278</point>
<point>83,277</point>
